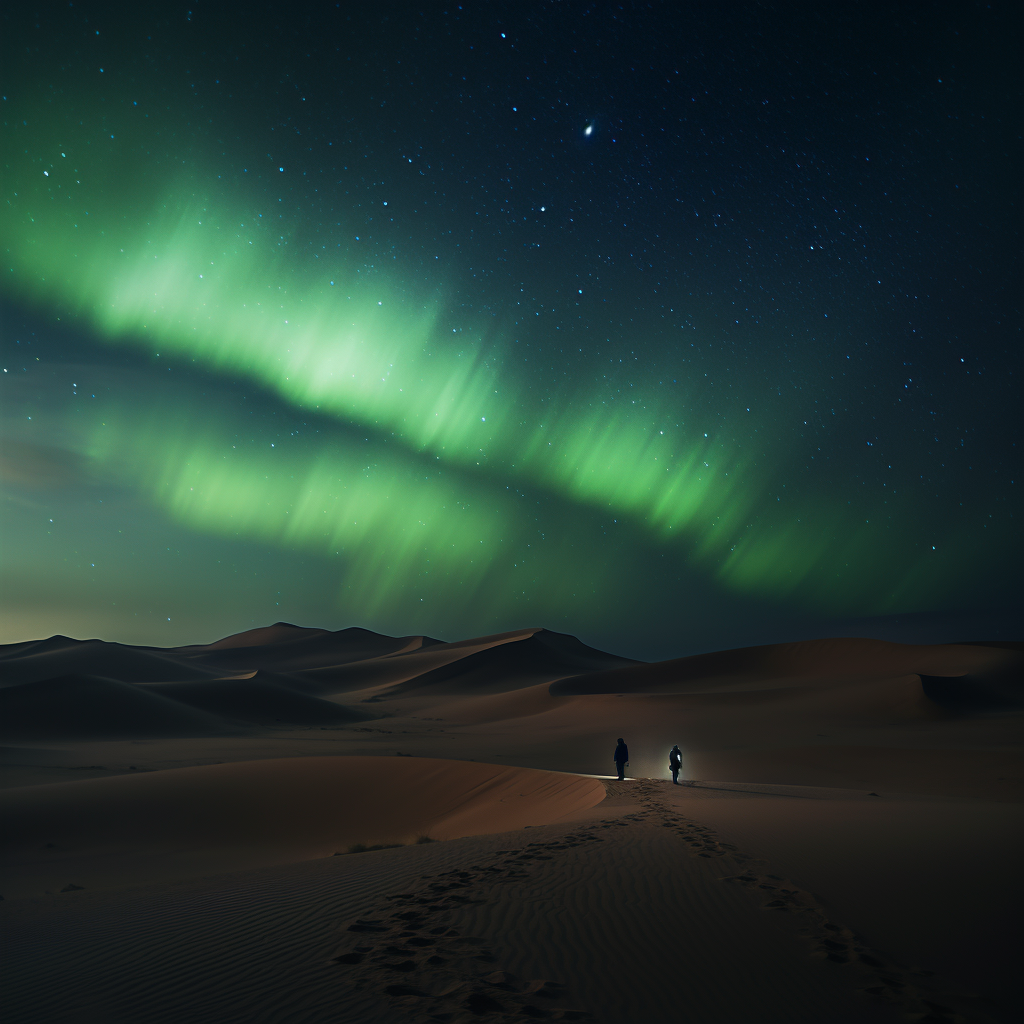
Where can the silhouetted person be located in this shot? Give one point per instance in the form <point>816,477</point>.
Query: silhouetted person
<point>675,762</point>
<point>621,757</point>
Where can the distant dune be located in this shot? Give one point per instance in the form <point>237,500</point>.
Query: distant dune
<point>286,675</point>
<point>59,656</point>
<point>538,657</point>
<point>289,648</point>
<point>808,660</point>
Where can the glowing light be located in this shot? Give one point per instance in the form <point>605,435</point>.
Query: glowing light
<point>204,276</point>
<point>345,352</point>
<point>391,522</point>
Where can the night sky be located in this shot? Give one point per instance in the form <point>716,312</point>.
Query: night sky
<point>676,327</point>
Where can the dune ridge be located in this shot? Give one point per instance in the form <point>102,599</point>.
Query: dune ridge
<point>806,660</point>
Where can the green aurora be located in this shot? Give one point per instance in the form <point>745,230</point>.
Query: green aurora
<point>212,288</point>
<point>390,517</point>
<point>181,266</point>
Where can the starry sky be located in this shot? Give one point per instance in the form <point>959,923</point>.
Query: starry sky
<point>676,327</point>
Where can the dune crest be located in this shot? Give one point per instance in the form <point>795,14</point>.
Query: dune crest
<point>278,633</point>
<point>806,660</point>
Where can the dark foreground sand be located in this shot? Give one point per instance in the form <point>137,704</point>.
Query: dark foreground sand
<point>851,852</point>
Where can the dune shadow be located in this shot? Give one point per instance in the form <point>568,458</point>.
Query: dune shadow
<point>1000,690</point>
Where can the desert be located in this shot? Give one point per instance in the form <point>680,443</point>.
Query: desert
<point>511,512</point>
<point>298,824</point>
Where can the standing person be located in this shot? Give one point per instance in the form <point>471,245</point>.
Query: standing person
<point>675,762</point>
<point>621,757</point>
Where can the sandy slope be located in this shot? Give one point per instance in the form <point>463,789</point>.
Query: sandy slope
<point>935,883</point>
<point>263,698</point>
<point>656,906</point>
<point>204,820</point>
<point>864,829</point>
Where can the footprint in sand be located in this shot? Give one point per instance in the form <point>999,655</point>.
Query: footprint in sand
<point>844,948</point>
<point>407,938</point>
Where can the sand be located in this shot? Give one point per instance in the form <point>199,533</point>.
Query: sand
<point>213,818</point>
<point>176,828</point>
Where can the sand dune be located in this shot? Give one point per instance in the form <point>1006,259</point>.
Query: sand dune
<point>96,657</point>
<point>506,707</point>
<point>733,711</point>
<point>540,657</point>
<point>288,648</point>
<point>53,643</point>
<point>262,636</point>
<point>487,664</point>
<point>295,682</point>
<point>216,782</point>
<point>80,706</point>
<point>358,659</point>
<point>378,673</point>
<point>808,660</point>
<point>221,817</point>
<point>77,706</point>
<point>995,688</point>
<point>262,699</point>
